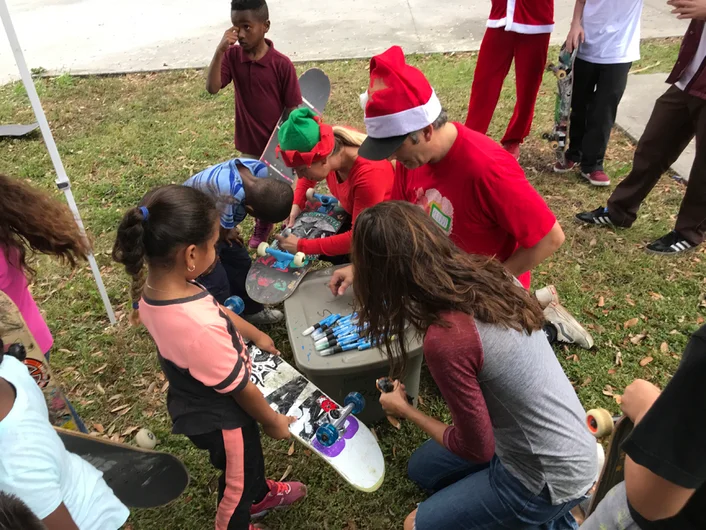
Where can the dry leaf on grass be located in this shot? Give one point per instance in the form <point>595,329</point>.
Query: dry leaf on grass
<point>129,431</point>
<point>618,358</point>
<point>608,390</point>
<point>98,427</point>
<point>611,371</point>
<point>290,451</point>
<point>637,339</point>
<point>124,411</point>
<point>601,301</point>
<point>664,347</point>
<point>164,387</point>
<point>308,453</point>
<point>121,407</point>
<point>114,398</point>
<point>647,360</point>
<point>100,388</point>
<point>656,296</point>
<point>629,300</point>
<point>286,473</point>
<point>699,320</point>
<point>618,398</point>
<point>593,242</point>
<point>99,370</point>
<point>630,323</point>
<point>586,382</point>
<point>394,422</point>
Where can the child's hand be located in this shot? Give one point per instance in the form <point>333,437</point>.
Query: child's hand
<point>288,243</point>
<point>230,37</point>
<point>691,9</point>
<point>575,37</point>
<point>638,398</point>
<point>265,343</point>
<point>395,403</point>
<point>292,216</point>
<point>279,428</point>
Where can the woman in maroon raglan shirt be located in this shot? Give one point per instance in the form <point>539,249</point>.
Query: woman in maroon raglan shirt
<point>517,453</point>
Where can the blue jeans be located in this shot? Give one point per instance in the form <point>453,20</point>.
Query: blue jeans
<point>479,496</point>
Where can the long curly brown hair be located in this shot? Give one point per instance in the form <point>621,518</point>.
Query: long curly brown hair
<point>32,219</point>
<point>407,271</point>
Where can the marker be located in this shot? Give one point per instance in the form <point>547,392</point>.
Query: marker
<point>326,338</point>
<point>334,332</point>
<point>338,342</point>
<point>338,349</point>
<point>366,345</point>
<point>324,322</point>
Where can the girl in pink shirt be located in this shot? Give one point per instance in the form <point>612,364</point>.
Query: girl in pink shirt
<point>32,219</point>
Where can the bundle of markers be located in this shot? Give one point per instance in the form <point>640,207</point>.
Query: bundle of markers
<point>336,334</point>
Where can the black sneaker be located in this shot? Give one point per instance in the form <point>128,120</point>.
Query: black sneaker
<point>599,216</point>
<point>671,244</point>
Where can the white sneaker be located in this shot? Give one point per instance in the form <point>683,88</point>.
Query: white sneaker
<point>567,327</point>
<point>265,317</point>
<point>547,295</point>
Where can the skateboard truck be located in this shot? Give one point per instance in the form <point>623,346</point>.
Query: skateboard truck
<point>328,433</point>
<point>284,259</point>
<point>327,202</point>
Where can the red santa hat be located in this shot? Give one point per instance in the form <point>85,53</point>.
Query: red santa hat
<point>399,100</point>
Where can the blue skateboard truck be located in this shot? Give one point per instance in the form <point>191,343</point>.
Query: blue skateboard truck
<point>328,433</point>
<point>327,202</point>
<point>284,259</point>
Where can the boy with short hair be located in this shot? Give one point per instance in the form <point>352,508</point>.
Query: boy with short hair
<point>16,515</point>
<point>264,80</point>
<point>607,35</point>
<point>241,186</point>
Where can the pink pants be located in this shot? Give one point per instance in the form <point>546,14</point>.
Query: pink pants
<point>498,49</point>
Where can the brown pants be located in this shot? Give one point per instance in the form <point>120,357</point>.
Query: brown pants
<point>676,118</point>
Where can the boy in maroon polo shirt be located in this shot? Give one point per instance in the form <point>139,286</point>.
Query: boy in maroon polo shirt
<point>264,80</point>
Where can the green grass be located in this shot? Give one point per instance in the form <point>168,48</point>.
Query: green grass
<point>120,136</point>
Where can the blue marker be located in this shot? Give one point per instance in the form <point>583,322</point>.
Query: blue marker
<point>339,349</point>
<point>338,342</point>
<point>334,332</point>
<point>326,321</point>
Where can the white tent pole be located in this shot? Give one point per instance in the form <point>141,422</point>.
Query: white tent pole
<point>62,180</point>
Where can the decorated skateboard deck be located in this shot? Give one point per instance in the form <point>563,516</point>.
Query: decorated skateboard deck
<point>564,72</point>
<point>274,276</point>
<point>140,478</point>
<point>601,423</point>
<point>316,89</point>
<point>323,426</point>
<point>14,330</point>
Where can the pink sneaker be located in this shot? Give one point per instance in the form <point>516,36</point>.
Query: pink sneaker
<point>261,233</point>
<point>564,167</point>
<point>513,148</point>
<point>281,495</point>
<point>597,178</point>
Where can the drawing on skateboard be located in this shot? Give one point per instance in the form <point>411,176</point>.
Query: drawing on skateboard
<point>326,428</point>
<point>140,478</point>
<point>275,274</point>
<point>601,423</point>
<point>564,73</point>
<point>14,331</point>
<point>315,87</point>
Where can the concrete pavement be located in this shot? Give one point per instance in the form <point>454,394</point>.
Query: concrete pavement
<point>94,36</point>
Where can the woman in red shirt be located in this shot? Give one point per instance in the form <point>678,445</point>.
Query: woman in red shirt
<point>319,152</point>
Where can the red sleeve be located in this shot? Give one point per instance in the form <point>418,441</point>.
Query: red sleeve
<point>398,184</point>
<point>216,361</point>
<point>515,205</point>
<point>455,358</point>
<point>291,93</point>
<point>226,72</point>
<point>300,191</point>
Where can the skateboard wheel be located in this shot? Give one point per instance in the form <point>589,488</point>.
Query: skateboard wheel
<point>310,194</point>
<point>327,435</point>
<point>145,439</point>
<point>561,74</point>
<point>599,422</point>
<point>554,145</point>
<point>262,249</point>
<point>235,304</point>
<point>357,400</point>
<point>299,259</point>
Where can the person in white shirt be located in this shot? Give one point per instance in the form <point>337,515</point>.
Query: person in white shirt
<point>63,490</point>
<point>607,35</point>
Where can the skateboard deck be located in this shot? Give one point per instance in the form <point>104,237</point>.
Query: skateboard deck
<point>315,87</point>
<point>14,330</point>
<point>613,471</point>
<point>564,72</point>
<point>271,280</point>
<point>140,478</point>
<point>17,130</point>
<point>356,455</point>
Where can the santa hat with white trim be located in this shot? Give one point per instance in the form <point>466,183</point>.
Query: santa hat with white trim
<point>399,100</point>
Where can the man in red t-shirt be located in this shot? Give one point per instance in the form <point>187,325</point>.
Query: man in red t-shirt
<point>469,185</point>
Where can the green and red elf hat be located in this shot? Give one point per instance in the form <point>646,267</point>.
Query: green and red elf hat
<point>304,139</point>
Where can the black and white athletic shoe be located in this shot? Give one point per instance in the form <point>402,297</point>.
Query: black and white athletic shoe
<point>671,244</point>
<point>599,217</point>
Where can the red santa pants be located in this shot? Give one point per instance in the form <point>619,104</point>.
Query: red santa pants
<point>497,51</point>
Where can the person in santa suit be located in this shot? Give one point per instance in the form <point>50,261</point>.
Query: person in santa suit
<point>519,30</point>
